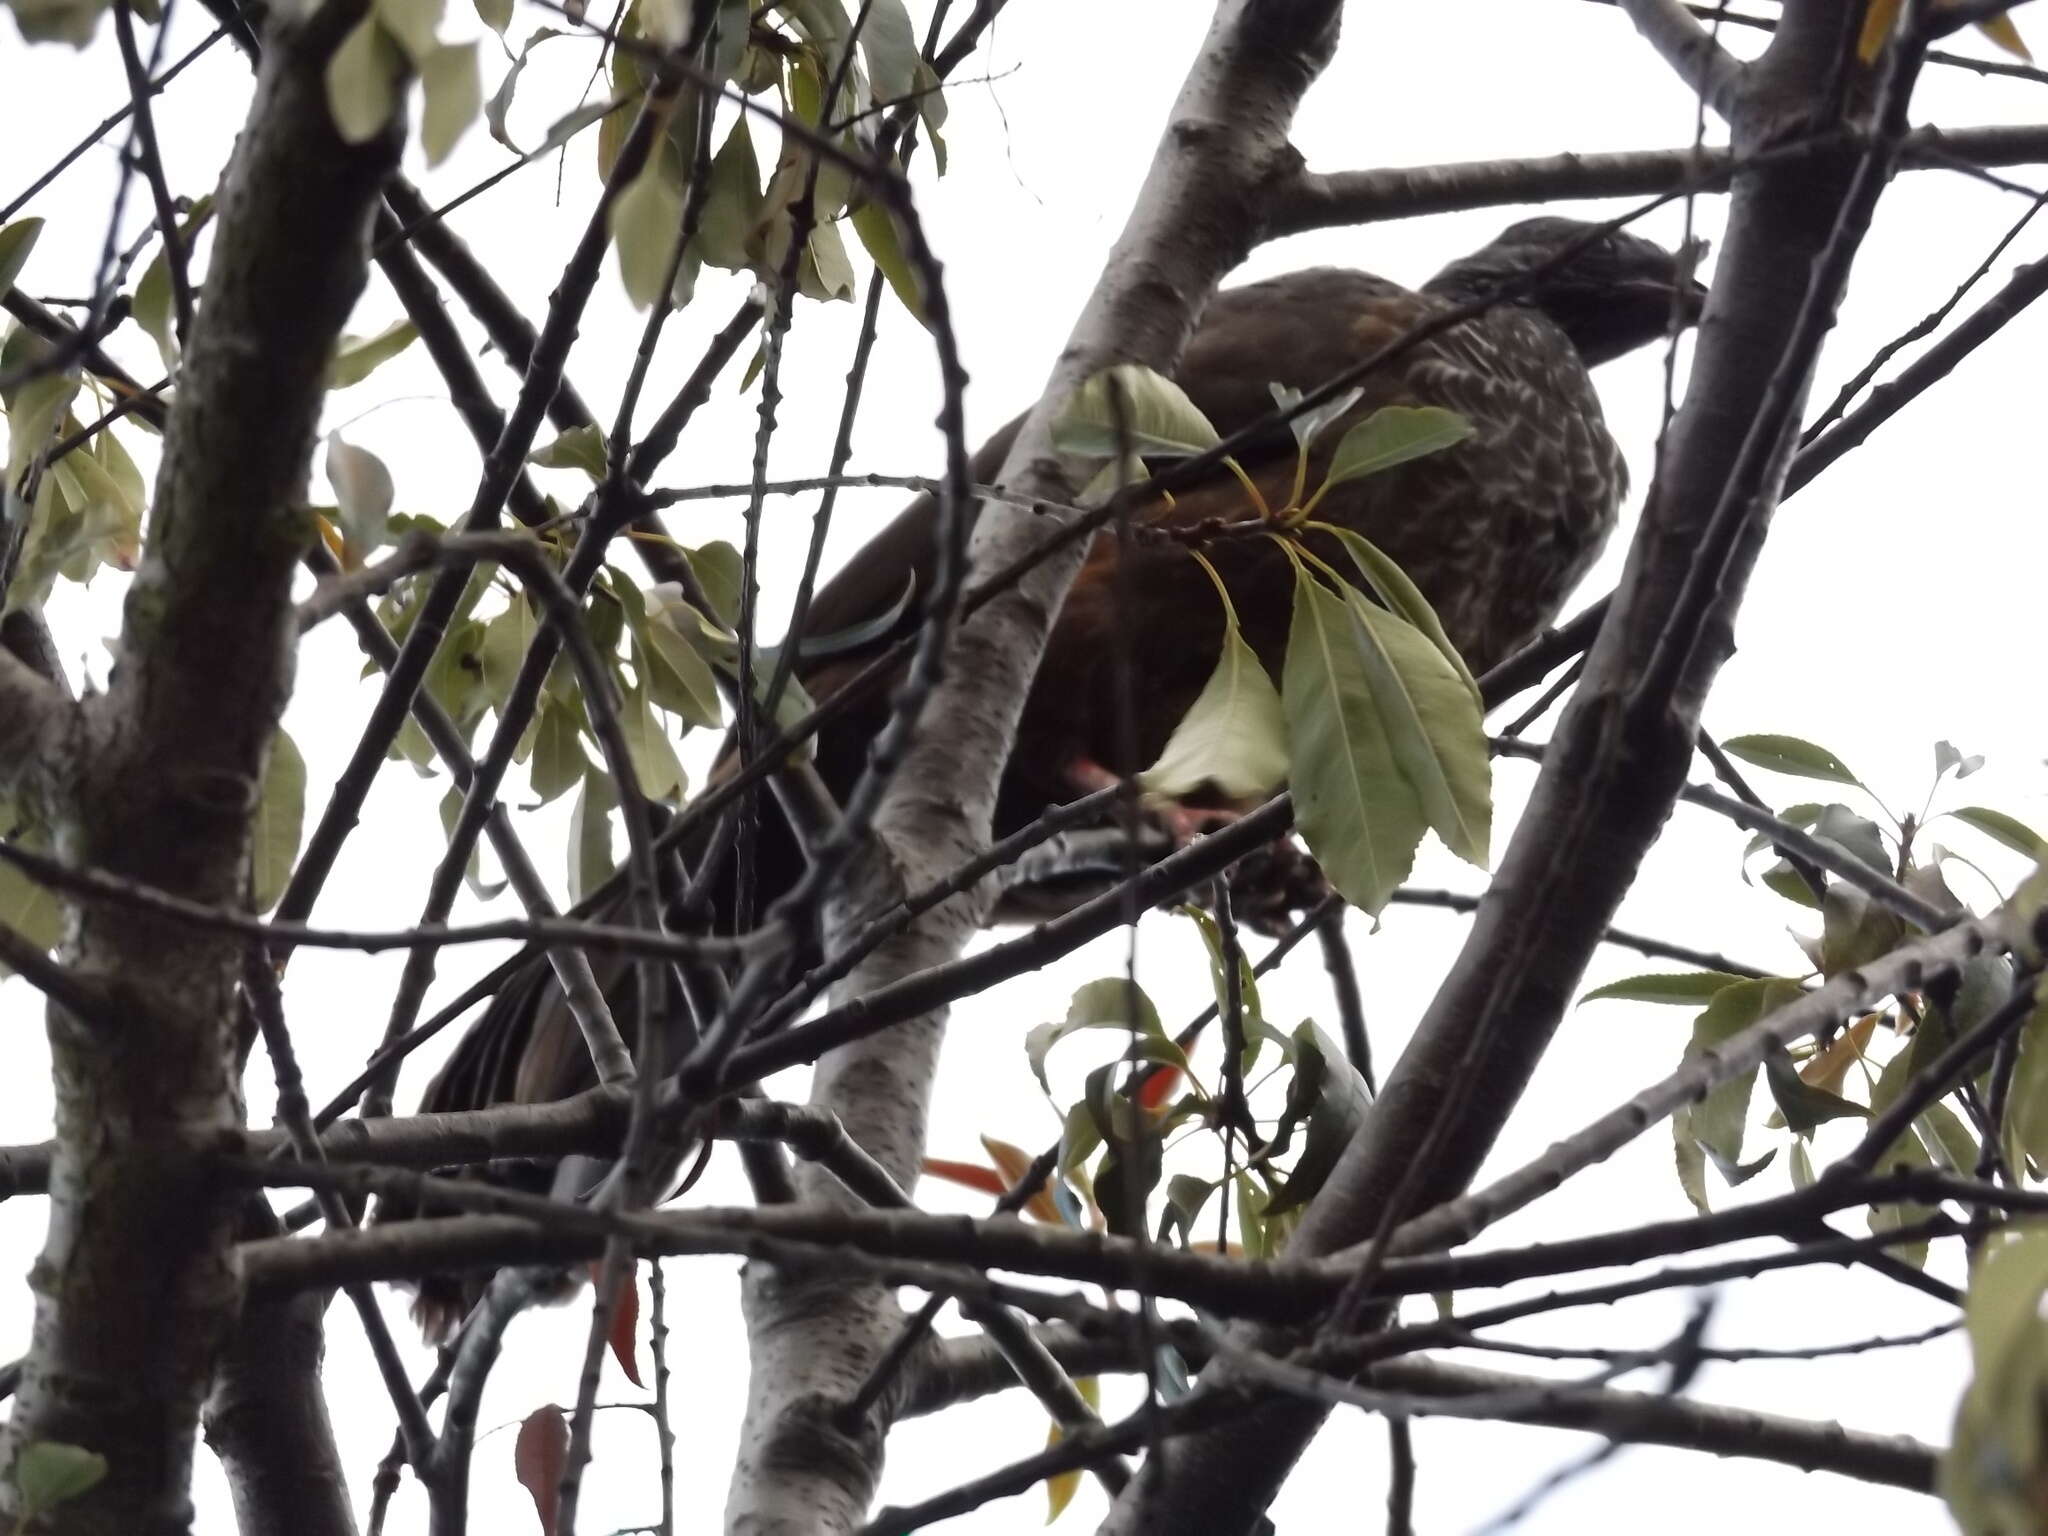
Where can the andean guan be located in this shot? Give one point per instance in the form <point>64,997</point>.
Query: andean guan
<point>1496,531</point>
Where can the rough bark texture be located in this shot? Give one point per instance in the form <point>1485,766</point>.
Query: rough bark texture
<point>1616,764</point>
<point>815,1336</point>
<point>135,1288</point>
<point>266,1417</point>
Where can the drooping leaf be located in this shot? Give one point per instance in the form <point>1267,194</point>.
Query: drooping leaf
<point>1803,1105</point>
<point>16,241</point>
<point>1685,989</point>
<point>1061,1486</point>
<point>1130,407</point>
<point>590,834</point>
<point>1340,1108</point>
<point>1013,1163</point>
<point>732,202</point>
<point>539,1455</point>
<point>1392,435</point>
<point>362,82</point>
<point>625,1329</point>
<point>879,236</point>
<point>1791,755</point>
<point>1233,737</point>
<point>1719,1121</point>
<point>362,492</point>
<point>655,763</point>
<point>357,357</point>
<point>645,220</point>
<point>1355,807</point>
<point>1402,596</point>
<point>1433,727</point>
<point>452,94</point>
<point>280,818</point>
<point>2012,832</point>
<point>678,677</point>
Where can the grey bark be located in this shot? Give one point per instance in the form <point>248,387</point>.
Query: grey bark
<point>135,1290</point>
<point>1615,767</point>
<point>815,1335</point>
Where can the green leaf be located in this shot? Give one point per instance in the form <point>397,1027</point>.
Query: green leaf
<point>1946,757</point>
<point>825,271</point>
<point>1341,1105</point>
<point>1354,806</point>
<point>876,226</point>
<point>678,677</point>
<point>1433,726</point>
<point>362,494</point>
<point>590,834</point>
<point>507,639</point>
<point>49,1472</point>
<point>362,82</point>
<point>1392,435</point>
<point>280,818</point>
<point>559,763</point>
<point>1855,930</point>
<point>357,357</point>
<point>499,107</point>
<point>411,23</point>
<point>1690,1160</point>
<point>1402,596</point>
<point>16,241</point>
<point>452,94</point>
<point>1721,1118</point>
<point>732,203</point>
<point>1111,1003</point>
<point>495,14</point>
<point>1803,1105</point>
<point>1907,1152</point>
<point>1790,755</point>
<point>1129,407</point>
<point>581,448</point>
<point>655,763</point>
<point>1234,736</point>
<point>645,220</point>
<point>1685,989</point>
<point>889,43</point>
<point>717,567</point>
<point>1308,425</point>
<point>1858,836</point>
<point>2010,831</point>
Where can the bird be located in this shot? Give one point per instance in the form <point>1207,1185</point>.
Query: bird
<point>1496,531</point>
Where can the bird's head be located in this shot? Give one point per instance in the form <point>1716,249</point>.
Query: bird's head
<point>1611,294</point>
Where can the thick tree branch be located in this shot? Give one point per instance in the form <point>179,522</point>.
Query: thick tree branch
<point>1626,739</point>
<point>1713,73</point>
<point>136,1289</point>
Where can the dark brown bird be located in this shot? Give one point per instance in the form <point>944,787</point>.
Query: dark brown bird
<point>1496,531</point>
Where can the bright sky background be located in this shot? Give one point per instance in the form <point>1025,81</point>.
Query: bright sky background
<point>1880,619</point>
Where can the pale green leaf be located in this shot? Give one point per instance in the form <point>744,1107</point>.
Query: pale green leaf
<point>645,220</point>
<point>826,272</point>
<point>590,834</point>
<point>362,494</point>
<point>1402,596</point>
<point>411,24</point>
<point>452,94</point>
<point>2012,832</point>
<point>1233,737</point>
<point>1392,435</point>
<point>1131,408</point>
<point>581,448</point>
<point>1433,727</point>
<point>16,241</point>
<point>357,357</point>
<point>1354,806</point>
<point>877,229</point>
<point>279,820</point>
<point>1687,989</point>
<point>49,1472</point>
<point>57,21</point>
<point>495,14</point>
<point>732,203</point>
<point>362,82</point>
<point>1791,755</point>
<point>559,763</point>
<point>655,765</point>
<point>1307,425</point>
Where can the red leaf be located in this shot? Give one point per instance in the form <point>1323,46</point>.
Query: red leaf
<point>973,1175</point>
<point>625,1322</point>
<point>538,1456</point>
<point>1159,1087</point>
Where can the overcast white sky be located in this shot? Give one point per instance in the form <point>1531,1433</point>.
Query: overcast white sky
<point>1880,619</point>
